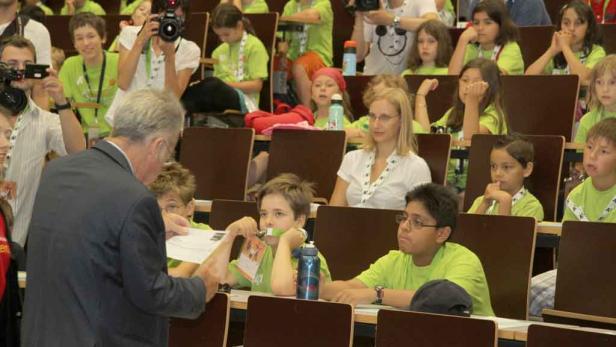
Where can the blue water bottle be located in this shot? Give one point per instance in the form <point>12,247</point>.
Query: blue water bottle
<point>349,59</point>
<point>336,114</point>
<point>308,272</point>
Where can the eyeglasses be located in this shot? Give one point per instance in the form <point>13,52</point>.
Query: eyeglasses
<point>383,119</point>
<point>415,222</point>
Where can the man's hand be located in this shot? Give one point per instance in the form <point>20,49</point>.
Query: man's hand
<point>175,225</point>
<point>379,17</point>
<point>53,87</point>
<point>355,296</point>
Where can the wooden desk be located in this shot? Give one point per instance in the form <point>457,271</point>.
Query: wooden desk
<point>508,329</point>
<point>291,20</point>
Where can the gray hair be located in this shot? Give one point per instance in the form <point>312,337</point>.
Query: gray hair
<point>146,112</point>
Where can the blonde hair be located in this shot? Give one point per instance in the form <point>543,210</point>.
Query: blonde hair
<point>175,178</point>
<point>297,192</point>
<point>390,81</point>
<point>406,138</point>
<point>607,64</point>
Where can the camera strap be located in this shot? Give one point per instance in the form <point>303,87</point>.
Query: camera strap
<point>239,72</point>
<point>99,92</point>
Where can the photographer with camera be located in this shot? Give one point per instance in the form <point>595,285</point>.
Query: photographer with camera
<point>154,55</point>
<point>385,31</point>
<point>36,131</point>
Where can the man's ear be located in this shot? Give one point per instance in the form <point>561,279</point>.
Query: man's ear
<point>442,234</point>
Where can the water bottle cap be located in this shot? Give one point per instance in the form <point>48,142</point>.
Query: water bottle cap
<point>350,43</point>
<point>337,97</point>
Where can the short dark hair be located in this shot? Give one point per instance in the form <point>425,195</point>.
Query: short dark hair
<point>87,18</point>
<point>17,42</point>
<point>517,147</point>
<point>440,202</point>
<point>606,129</point>
<point>297,192</point>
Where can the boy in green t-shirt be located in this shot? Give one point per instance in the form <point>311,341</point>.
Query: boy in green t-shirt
<point>174,189</point>
<point>269,265</point>
<point>91,76</point>
<point>311,48</point>
<point>424,255</point>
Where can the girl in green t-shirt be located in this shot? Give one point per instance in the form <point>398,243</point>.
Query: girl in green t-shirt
<point>325,83</point>
<point>493,35</point>
<point>602,91</point>
<point>511,163</point>
<point>431,51</point>
<point>478,108</point>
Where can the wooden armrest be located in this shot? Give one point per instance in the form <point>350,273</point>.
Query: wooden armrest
<point>320,201</point>
<point>578,316</point>
<point>87,105</point>
<point>208,61</point>
<point>289,19</point>
<point>573,145</point>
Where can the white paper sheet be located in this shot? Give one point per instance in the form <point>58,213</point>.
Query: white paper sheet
<point>194,247</point>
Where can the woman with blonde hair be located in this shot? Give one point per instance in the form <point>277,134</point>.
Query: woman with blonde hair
<point>387,167</point>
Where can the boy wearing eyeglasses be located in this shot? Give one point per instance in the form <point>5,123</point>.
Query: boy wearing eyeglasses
<point>175,190</point>
<point>424,255</point>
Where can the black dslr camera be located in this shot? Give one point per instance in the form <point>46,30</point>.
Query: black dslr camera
<point>366,5</point>
<point>12,99</point>
<point>170,25</point>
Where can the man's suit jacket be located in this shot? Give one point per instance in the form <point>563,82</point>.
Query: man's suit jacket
<point>97,273</point>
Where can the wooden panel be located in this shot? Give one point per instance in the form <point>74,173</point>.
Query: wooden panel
<point>434,149</point>
<point>272,321</point>
<point>546,336</point>
<point>219,159</point>
<point>352,238</point>
<point>399,328</point>
<point>505,246</point>
<point>210,329</point>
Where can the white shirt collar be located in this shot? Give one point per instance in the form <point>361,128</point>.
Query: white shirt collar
<point>132,170</point>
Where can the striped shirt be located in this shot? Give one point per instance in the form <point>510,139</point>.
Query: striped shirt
<point>40,133</point>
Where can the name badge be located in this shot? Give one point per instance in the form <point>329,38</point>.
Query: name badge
<point>250,258</point>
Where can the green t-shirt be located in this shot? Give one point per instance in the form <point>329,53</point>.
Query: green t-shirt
<point>362,124</point>
<point>171,263</point>
<point>509,60</point>
<point>263,277</point>
<point>76,87</point>
<point>88,6</point>
<point>319,37</point>
<point>48,11</point>
<point>527,206</point>
<point>452,262</point>
<point>596,54</point>
<point>489,119</point>
<point>255,62</point>
<point>321,123</point>
<point>592,201</point>
<point>588,120</point>
<point>256,6</point>
<point>427,70</point>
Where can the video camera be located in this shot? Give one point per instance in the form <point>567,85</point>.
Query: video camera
<point>12,99</point>
<point>170,24</point>
<point>366,5</point>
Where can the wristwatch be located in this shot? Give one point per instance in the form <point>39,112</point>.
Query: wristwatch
<point>379,294</point>
<point>396,22</point>
<point>60,107</point>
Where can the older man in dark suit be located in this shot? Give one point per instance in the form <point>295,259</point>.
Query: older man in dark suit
<point>97,273</point>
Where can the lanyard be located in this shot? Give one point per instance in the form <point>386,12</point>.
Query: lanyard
<point>368,188</point>
<point>581,216</point>
<point>99,92</point>
<point>516,197</point>
<point>148,60</point>
<point>239,72</point>
<point>496,51</point>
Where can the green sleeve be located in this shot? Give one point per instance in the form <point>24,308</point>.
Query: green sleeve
<point>64,10</point>
<point>66,79</point>
<point>241,281</point>
<point>510,59</point>
<point>171,263</point>
<point>467,272</point>
<point>406,72</point>
<point>471,52</point>
<point>361,124</point>
<point>418,129</point>
<point>98,9</point>
<point>475,204</point>
<point>595,56</point>
<point>532,209</point>
<point>128,10</point>
<point>257,61</point>
<point>289,8</point>
<point>46,10</point>
<point>220,70</point>
<point>442,122</point>
<point>257,6</point>
<point>377,272</point>
<point>549,68</point>
<point>586,122</point>
<point>325,268</point>
<point>568,215</point>
<point>489,119</point>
